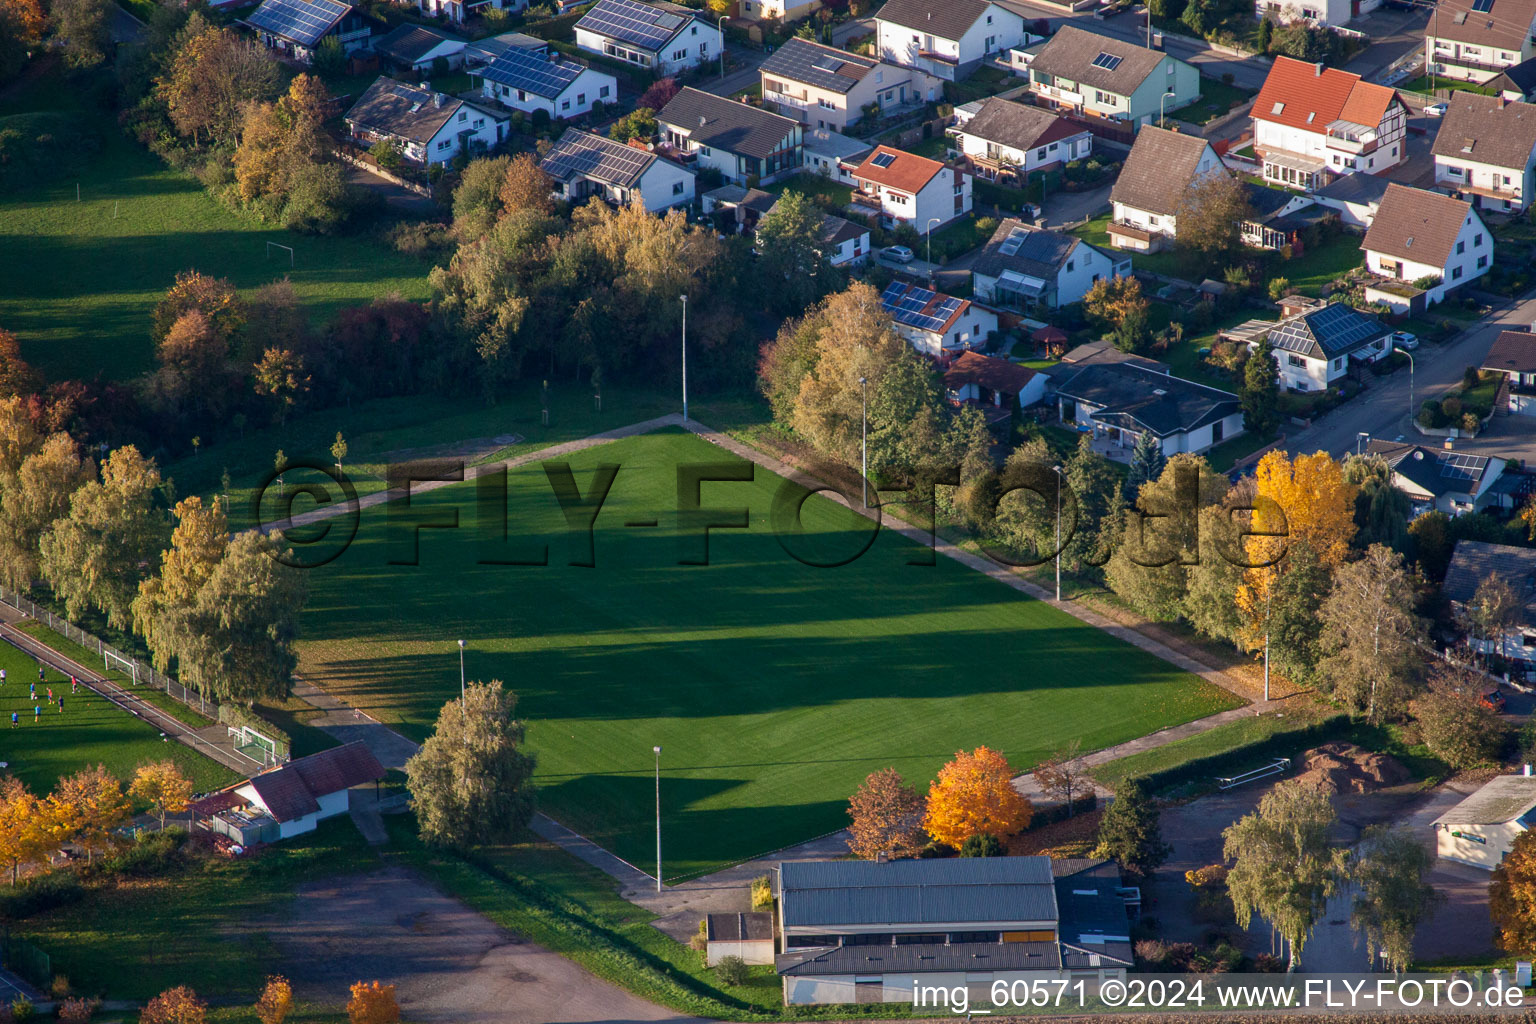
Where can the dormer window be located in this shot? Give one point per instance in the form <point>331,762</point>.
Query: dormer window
<point>1279,108</point>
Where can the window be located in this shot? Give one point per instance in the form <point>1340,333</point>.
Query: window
<point>1338,364</point>
<point>1070,265</point>
<point>677,188</point>
<point>463,116</point>
<point>445,144</point>
<point>565,104</point>
<point>1461,247</point>
<point>1296,360</point>
<point>1039,154</point>
<point>991,40</point>
<point>694,31</point>
<point>581,99</point>
<point>1455,273</point>
<point>1477,239</point>
<point>989,19</point>
<point>1454,171</point>
<point>704,151</point>
<point>602,91</point>
<point>879,77</point>
<point>1482,261</point>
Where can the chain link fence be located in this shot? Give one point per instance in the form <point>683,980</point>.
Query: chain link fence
<point>22,958</point>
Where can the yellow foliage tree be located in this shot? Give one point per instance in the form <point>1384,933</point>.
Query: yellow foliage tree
<point>89,805</point>
<point>373,1004</point>
<point>974,794</point>
<point>23,832</point>
<point>276,1000</point>
<point>163,785</point>
<point>1512,897</point>
<point>179,1005</point>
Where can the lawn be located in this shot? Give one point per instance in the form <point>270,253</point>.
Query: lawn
<point>90,730</point>
<point>87,274</point>
<point>1216,98</point>
<point>833,193</point>
<point>772,687</point>
<point>1167,263</point>
<point>1327,262</point>
<point>204,925</point>
<point>1223,738</point>
<point>1422,84</point>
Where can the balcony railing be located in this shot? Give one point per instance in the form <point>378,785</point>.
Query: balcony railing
<point>1469,63</point>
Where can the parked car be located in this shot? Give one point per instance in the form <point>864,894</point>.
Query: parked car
<point>897,254</point>
<point>1404,340</point>
<point>1436,110</point>
<point>1493,700</point>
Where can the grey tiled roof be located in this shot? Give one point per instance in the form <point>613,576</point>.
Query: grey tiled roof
<point>1139,399</point>
<point>405,111</point>
<point>825,67</point>
<point>1435,470</point>
<point>1071,53</point>
<point>1474,561</point>
<point>1488,130</point>
<point>1327,333</point>
<point>1157,173</point>
<point>946,19</point>
<point>1039,252</point>
<point>1018,125</point>
<point>726,124</point>
<point>408,43</point>
<point>1512,352</point>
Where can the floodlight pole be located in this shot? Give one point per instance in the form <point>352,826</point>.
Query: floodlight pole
<point>864,440</point>
<point>1057,471</point>
<point>658,817</point>
<point>685,357</point>
<point>463,699</point>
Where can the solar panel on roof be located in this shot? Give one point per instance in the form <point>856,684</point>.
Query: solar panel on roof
<point>827,63</point>
<point>884,159</point>
<point>632,22</point>
<point>1107,61</point>
<point>1482,6</point>
<point>531,72</point>
<point>303,21</point>
<point>582,153</point>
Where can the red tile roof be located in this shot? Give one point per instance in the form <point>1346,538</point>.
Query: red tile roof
<point>987,372</point>
<point>293,790</point>
<point>908,172</point>
<point>1311,96</point>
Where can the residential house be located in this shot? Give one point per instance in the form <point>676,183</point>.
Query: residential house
<point>1281,218</point>
<point>948,40</point>
<point>1315,349</point>
<point>737,209</point>
<point>865,931</point>
<point>1119,401</point>
<point>1318,13</point>
<point>843,243</point>
<point>745,935</point>
<point>997,385</point>
<point>417,47</point>
<point>1513,354</point>
<point>664,37</point>
<point>1023,267</point>
<point>1482,829</point>
<point>1356,198</point>
<point>1441,479</point>
<point>1420,235</point>
<point>429,127</point>
<point>1109,80</point>
<point>777,10</point>
<point>456,11</point>
<point>1486,150</point>
<point>480,52</point>
<point>1516,84</point>
<point>1313,123</point>
<point>292,799</point>
<point>298,27</point>
<point>1104,351</point>
<point>746,144</point>
<point>1159,172</point>
<point>833,154</point>
<point>1477,40</point>
<point>934,323</point>
<point>904,188</point>
<point>1005,140</point>
<point>584,164</point>
<point>529,81</point>
<point>1472,563</point>
<point>825,87</point>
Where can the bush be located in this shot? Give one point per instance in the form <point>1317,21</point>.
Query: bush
<point>373,1003</point>
<point>1210,876</point>
<point>1450,408</point>
<point>178,1005</point>
<point>1268,963</point>
<point>732,971</point>
<point>1427,282</point>
<point>153,853</point>
<point>1059,812</point>
<point>1278,288</point>
<point>387,155</point>
<point>983,844</point>
<point>22,1010</point>
<point>275,1001</point>
<point>762,892</point>
<point>1471,377</point>
<point>76,1010</point>
<point>319,200</point>
<point>39,146</point>
<point>699,940</point>
<point>425,238</point>
<point>1470,423</point>
<point>59,987</point>
<point>1430,415</point>
<point>40,893</point>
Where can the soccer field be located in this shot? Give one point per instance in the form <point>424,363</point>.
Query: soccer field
<point>90,730</point>
<point>773,687</point>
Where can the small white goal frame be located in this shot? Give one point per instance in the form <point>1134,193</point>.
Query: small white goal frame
<point>127,664</point>
<point>280,245</point>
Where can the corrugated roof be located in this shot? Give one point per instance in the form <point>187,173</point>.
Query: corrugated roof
<point>1099,61</point>
<point>920,958</point>
<point>1158,172</point>
<point>971,890</point>
<point>1418,225</point>
<point>726,124</point>
<point>1501,799</point>
<point>949,19</point>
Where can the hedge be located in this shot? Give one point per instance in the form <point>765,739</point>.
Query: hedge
<point>1286,743</point>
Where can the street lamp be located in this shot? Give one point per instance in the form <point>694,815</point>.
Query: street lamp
<point>1162,109</point>
<point>722,44</point>
<point>463,708</point>
<point>684,297</point>
<point>931,222</point>
<point>1361,435</point>
<point>864,440</point>
<point>1410,382</point>
<point>658,817</point>
<point>1057,471</point>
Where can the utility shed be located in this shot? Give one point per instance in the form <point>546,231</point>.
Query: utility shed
<point>749,936</point>
<point>1481,829</point>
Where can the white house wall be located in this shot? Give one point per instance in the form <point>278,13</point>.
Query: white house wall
<point>1476,242</point>
<point>1516,182</point>
<point>1075,148</point>
<point>591,86</point>
<point>1488,854</point>
<point>659,186</point>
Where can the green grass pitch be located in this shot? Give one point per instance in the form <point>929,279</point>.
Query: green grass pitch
<point>773,687</point>
<point>90,730</point>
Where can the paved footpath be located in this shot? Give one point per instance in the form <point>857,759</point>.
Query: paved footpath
<point>679,907</point>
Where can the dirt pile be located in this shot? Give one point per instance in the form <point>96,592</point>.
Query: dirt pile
<point>1345,768</point>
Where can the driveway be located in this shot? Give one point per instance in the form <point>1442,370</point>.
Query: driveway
<point>744,73</point>
<point>448,963</point>
<point>1393,34</point>
<point>396,197</point>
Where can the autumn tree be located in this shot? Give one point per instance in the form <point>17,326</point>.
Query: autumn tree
<point>471,781</point>
<point>1130,831</point>
<point>162,785</point>
<point>23,832</point>
<point>1512,897</point>
<point>179,1005</point>
<point>1494,607</point>
<point>1285,870</point>
<point>1210,596</point>
<point>973,794</point>
<point>1372,638</point>
<point>16,376</point>
<point>93,800</point>
<point>477,199</point>
<point>525,186</point>
<point>1392,897</point>
<point>1159,540</point>
<point>1312,502</point>
<point>214,297</point>
<point>659,94</point>
<point>1063,775</point>
<point>887,817</point>
<point>163,609</point>
<point>280,376</point>
<point>373,1003</point>
<point>29,18</point>
<point>795,263</point>
<point>1117,306</point>
<point>83,30</point>
<point>280,142</point>
<point>1211,216</point>
<point>210,78</point>
<point>95,556</point>
<point>275,1001</point>
<point>1453,723</point>
<point>31,499</point>
<point>1260,394</point>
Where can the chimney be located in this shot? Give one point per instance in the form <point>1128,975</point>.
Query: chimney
<point>1317,70</point>
<point>437,100</point>
<point>703,120</point>
<point>881,856</point>
<point>1450,444</point>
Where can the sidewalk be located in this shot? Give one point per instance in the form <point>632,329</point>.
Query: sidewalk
<point>211,741</point>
